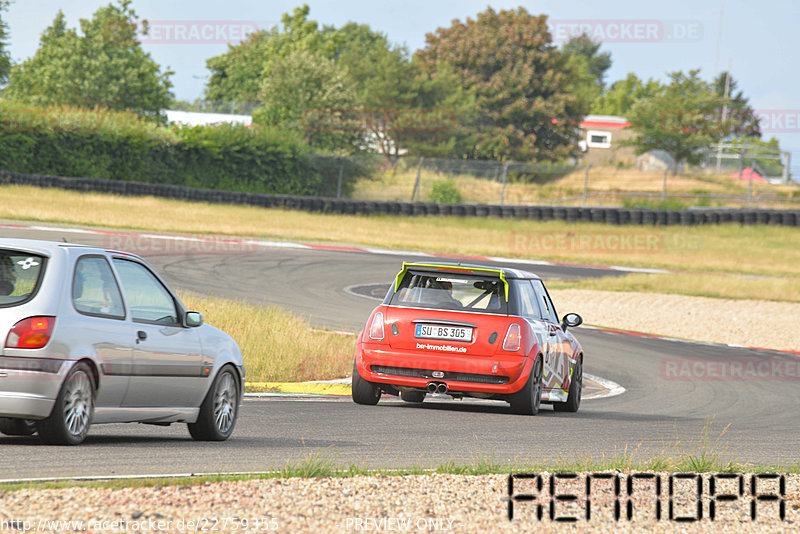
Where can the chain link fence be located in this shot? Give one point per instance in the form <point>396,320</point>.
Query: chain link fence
<point>608,215</point>
<point>420,179</point>
<point>729,175</point>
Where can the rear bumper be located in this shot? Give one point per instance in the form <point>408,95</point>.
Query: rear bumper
<point>28,394</point>
<point>498,374</point>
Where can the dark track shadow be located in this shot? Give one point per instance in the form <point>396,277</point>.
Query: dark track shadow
<point>545,411</point>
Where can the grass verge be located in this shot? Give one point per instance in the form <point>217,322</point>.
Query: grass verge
<point>754,250</point>
<point>277,346</point>
<point>319,466</point>
<point>705,457</point>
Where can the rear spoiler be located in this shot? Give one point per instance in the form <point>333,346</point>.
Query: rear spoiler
<point>450,268</point>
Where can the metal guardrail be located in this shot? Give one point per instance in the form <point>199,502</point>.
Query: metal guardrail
<point>691,216</point>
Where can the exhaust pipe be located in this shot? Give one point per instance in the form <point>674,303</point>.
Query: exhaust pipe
<point>437,387</point>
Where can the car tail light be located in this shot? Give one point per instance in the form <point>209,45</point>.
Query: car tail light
<point>31,333</point>
<point>513,340</point>
<point>376,327</point>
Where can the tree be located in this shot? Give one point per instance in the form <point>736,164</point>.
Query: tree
<point>237,75</point>
<point>368,93</point>
<point>384,83</point>
<point>5,57</point>
<point>589,67</point>
<point>583,85</point>
<point>521,83</point>
<point>682,120</point>
<point>443,111</point>
<point>740,119</point>
<point>104,66</point>
<point>400,105</point>
<point>302,88</point>
<point>623,94</point>
<point>377,68</point>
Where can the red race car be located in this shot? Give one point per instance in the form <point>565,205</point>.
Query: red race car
<point>469,331</point>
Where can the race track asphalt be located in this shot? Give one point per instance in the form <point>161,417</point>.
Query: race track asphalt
<point>749,419</point>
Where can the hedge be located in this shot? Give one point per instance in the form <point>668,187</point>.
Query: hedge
<point>66,141</point>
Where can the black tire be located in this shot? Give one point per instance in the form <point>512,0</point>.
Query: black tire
<point>72,413</point>
<point>219,409</point>
<point>575,391</point>
<point>412,396</point>
<point>364,392</point>
<point>528,400</point>
<point>17,427</point>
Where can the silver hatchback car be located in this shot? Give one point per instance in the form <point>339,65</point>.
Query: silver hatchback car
<point>96,336</point>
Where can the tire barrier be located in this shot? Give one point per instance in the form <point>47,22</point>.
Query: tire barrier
<point>619,216</point>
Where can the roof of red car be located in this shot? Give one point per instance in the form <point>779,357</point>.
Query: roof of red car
<point>507,272</point>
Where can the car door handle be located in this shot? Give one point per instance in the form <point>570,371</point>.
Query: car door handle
<point>141,335</point>
<point>552,332</point>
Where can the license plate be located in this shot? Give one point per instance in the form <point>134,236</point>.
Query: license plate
<point>436,331</point>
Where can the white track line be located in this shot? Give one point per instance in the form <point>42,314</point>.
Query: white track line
<point>613,388</point>
<point>304,246</point>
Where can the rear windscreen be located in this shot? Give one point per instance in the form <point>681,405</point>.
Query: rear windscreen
<point>20,274</point>
<point>451,292</point>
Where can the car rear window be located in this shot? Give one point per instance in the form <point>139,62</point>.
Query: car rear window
<point>451,291</point>
<point>20,275</point>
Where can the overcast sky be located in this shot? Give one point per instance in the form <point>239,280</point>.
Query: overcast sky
<point>760,38</point>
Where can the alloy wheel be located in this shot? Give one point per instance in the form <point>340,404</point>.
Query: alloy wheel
<point>225,403</point>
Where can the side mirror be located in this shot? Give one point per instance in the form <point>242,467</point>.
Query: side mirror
<point>571,319</point>
<point>193,319</point>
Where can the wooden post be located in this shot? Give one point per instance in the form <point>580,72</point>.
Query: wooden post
<point>503,191</point>
<point>416,184</point>
<point>339,183</point>
<point>586,183</point>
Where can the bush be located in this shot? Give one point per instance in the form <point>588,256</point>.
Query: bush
<point>668,204</point>
<point>445,191</point>
<point>255,160</point>
<point>351,168</point>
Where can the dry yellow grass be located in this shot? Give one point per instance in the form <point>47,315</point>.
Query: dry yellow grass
<point>760,250</point>
<point>277,346</point>
<point>620,179</point>
<point>398,186</point>
<point>696,284</point>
